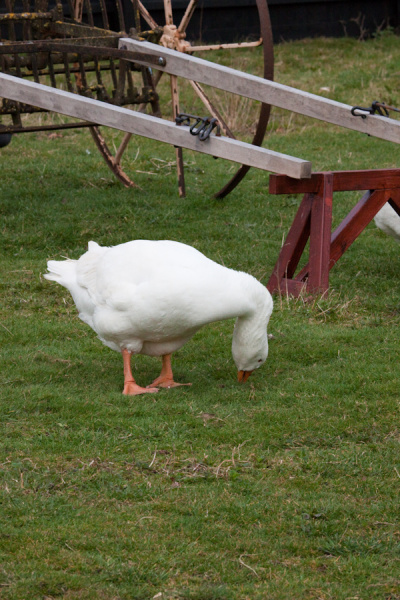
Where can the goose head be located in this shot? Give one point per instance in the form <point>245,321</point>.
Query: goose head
<point>249,346</point>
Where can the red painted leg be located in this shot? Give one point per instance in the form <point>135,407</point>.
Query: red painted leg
<point>166,378</point>
<point>131,388</point>
<point>320,237</point>
<point>293,247</point>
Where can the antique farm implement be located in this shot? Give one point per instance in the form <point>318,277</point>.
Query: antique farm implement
<point>73,45</point>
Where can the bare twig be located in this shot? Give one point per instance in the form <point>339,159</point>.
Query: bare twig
<point>247,566</point>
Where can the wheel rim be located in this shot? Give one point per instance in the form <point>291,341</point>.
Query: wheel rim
<point>265,109</point>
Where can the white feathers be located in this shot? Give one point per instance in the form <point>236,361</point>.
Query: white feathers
<point>388,221</point>
<point>150,297</point>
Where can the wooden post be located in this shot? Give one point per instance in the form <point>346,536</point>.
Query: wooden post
<point>320,236</point>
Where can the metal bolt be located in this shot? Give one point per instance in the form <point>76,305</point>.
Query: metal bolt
<point>161,61</point>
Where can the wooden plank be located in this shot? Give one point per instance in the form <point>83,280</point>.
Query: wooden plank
<point>270,92</point>
<point>281,184</point>
<point>101,113</point>
<point>377,179</point>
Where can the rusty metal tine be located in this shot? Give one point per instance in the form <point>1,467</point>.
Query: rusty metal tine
<point>51,70</point>
<point>106,24</point>
<point>11,25</point>
<point>83,83</point>
<point>89,12</point>
<point>113,73</point>
<point>26,26</point>
<point>130,84</point>
<point>35,67</point>
<point>97,71</point>
<point>121,81</point>
<point>67,73</point>
<point>120,12</point>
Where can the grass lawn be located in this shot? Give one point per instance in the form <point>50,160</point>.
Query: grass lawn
<point>284,488</point>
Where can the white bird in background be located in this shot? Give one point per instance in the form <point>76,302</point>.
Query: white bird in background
<point>150,297</point>
<point>388,220</point>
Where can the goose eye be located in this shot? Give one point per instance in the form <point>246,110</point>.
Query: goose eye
<point>260,360</point>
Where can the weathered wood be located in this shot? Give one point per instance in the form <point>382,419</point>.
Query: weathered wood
<point>270,92</point>
<point>161,130</point>
<point>379,179</point>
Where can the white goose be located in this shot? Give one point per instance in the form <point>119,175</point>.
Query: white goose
<point>388,221</point>
<point>150,297</point>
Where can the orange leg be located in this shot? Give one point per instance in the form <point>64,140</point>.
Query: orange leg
<point>131,388</point>
<point>166,378</point>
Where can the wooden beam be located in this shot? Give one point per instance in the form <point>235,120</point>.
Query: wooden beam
<point>101,113</point>
<point>264,90</point>
<point>379,179</point>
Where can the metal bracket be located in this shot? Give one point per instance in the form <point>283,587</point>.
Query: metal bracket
<point>202,126</point>
<point>376,107</point>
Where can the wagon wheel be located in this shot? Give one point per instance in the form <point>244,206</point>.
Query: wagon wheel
<point>173,36</point>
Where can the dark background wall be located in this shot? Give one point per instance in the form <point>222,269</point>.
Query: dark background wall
<point>232,20</point>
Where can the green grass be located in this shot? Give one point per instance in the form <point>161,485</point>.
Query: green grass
<point>286,487</point>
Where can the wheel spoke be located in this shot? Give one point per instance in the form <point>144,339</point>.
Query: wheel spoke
<point>178,151</point>
<point>213,110</point>
<point>187,16</point>
<point>108,157</point>
<point>268,54</point>
<point>147,16</point>
<point>168,12</point>
<point>78,7</point>
<point>227,46</point>
<point>122,147</point>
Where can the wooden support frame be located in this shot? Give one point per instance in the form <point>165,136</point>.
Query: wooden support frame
<point>313,222</point>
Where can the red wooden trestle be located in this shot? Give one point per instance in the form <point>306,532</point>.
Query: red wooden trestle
<point>313,221</point>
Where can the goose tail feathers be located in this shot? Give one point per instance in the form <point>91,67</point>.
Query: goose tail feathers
<point>63,272</point>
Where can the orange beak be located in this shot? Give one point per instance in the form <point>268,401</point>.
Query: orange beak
<point>243,376</point>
